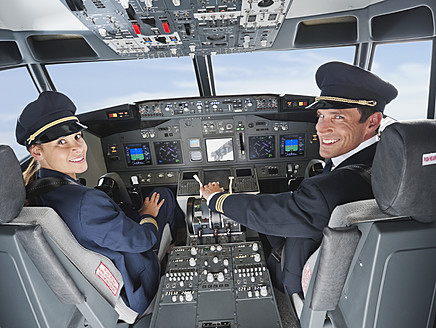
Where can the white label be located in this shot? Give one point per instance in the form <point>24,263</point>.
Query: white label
<point>429,159</point>
<point>104,274</point>
<point>305,279</point>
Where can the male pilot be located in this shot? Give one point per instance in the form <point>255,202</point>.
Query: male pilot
<point>349,113</point>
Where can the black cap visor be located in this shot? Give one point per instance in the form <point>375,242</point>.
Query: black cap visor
<point>60,130</point>
<point>323,104</point>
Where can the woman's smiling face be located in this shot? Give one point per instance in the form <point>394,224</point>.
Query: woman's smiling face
<point>65,154</point>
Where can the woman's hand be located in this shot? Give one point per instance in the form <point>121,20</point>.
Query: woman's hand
<point>151,205</point>
<point>210,188</point>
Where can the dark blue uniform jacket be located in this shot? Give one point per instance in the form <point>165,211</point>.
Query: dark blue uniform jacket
<point>100,225</point>
<point>299,216</point>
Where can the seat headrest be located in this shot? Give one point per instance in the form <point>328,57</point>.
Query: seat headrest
<point>12,189</point>
<point>404,170</point>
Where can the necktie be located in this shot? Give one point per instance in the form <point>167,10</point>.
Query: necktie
<point>328,166</point>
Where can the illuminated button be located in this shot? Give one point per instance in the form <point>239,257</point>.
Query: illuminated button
<point>174,298</point>
<point>215,260</point>
<point>220,277</point>
<point>212,248</point>
<point>256,293</point>
<point>226,262</point>
<point>249,294</point>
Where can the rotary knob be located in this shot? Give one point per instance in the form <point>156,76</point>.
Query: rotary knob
<point>263,291</point>
<point>209,277</point>
<point>188,297</point>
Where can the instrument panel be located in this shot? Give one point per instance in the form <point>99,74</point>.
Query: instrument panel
<point>249,138</point>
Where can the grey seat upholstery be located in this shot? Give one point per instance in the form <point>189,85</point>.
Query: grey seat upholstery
<point>376,265</point>
<point>66,278</point>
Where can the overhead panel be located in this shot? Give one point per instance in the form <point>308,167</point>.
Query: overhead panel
<point>166,28</point>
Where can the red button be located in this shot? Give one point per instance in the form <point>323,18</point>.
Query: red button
<point>166,26</point>
<point>136,28</point>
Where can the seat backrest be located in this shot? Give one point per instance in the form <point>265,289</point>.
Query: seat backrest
<point>404,170</point>
<point>12,191</point>
<point>98,270</point>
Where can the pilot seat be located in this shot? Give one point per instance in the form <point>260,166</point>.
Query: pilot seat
<point>376,265</point>
<point>47,278</point>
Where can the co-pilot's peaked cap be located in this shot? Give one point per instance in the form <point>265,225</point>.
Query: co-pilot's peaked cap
<point>48,118</point>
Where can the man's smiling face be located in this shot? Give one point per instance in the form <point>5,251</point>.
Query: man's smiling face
<point>339,131</point>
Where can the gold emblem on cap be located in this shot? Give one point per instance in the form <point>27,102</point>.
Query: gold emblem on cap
<point>49,125</point>
<point>370,103</point>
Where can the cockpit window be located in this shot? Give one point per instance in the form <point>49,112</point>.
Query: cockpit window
<point>407,67</point>
<point>17,90</point>
<point>274,71</point>
<point>98,85</point>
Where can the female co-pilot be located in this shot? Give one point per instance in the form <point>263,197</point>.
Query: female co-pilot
<point>53,136</point>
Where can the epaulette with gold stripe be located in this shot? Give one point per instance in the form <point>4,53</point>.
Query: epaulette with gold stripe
<point>220,202</point>
<point>149,220</point>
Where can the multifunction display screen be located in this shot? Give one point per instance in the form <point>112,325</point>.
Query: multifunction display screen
<point>262,147</point>
<point>138,154</point>
<point>168,152</point>
<point>219,150</point>
<point>292,145</point>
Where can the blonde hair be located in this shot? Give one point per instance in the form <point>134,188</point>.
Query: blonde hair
<point>31,173</point>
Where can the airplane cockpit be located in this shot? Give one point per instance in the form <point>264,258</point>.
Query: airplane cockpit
<point>375,265</point>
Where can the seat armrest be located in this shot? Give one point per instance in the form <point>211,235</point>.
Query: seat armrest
<point>336,254</point>
<point>358,212</point>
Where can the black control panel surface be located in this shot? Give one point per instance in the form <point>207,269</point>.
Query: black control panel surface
<point>219,285</point>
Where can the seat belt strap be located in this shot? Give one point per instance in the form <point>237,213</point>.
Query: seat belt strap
<point>44,185</point>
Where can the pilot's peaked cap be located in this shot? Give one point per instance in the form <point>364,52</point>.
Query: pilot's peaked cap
<point>346,86</point>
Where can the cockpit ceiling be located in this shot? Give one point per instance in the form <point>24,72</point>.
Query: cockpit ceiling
<point>303,8</point>
<point>41,15</point>
<point>81,30</point>
<point>53,15</point>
